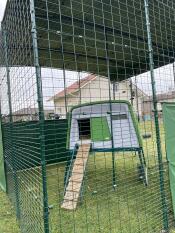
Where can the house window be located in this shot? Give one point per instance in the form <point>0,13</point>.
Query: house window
<point>133,93</point>
<point>116,87</point>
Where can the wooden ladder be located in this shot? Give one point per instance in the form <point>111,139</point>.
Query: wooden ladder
<point>73,189</point>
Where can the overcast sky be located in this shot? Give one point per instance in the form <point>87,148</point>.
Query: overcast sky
<point>2,7</point>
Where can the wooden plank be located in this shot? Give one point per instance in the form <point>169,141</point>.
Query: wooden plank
<point>75,181</point>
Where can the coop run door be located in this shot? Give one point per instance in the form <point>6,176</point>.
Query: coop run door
<point>100,129</point>
<point>169,125</point>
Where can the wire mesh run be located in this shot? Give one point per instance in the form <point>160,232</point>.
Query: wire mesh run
<point>82,87</point>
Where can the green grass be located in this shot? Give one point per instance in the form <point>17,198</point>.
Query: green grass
<point>8,223</point>
<point>131,208</point>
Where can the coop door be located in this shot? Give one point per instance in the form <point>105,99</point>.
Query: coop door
<point>84,129</point>
<point>169,126</point>
<point>100,129</point>
<point>2,171</point>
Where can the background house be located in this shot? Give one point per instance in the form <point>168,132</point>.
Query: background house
<point>96,88</point>
<point>31,114</point>
<point>147,104</point>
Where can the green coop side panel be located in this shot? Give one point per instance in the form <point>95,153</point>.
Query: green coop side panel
<point>169,125</point>
<point>2,170</point>
<point>100,129</point>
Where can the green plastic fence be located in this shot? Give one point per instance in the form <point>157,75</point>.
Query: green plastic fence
<point>26,136</point>
<point>169,124</point>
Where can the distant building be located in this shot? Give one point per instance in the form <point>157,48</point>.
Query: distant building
<point>147,105</point>
<point>96,88</point>
<point>30,114</point>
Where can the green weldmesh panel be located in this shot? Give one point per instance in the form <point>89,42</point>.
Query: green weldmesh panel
<point>100,129</point>
<point>2,170</point>
<point>169,125</point>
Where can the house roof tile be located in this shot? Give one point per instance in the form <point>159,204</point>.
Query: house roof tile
<point>74,87</point>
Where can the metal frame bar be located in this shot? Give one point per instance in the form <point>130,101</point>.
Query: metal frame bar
<point>41,116</point>
<point>156,119</point>
<point>11,124</point>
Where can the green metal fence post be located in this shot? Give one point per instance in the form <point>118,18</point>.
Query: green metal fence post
<point>11,123</point>
<point>156,119</point>
<point>41,117</point>
<point>2,135</point>
<point>112,137</point>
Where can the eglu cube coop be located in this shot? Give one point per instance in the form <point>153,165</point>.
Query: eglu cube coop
<point>101,126</point>
<point>82,87</point>
<point>106,125</point>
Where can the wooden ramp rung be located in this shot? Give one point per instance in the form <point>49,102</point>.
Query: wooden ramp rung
<point>75,181</point>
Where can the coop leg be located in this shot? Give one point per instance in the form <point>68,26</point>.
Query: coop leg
<point>66,173</point>
<point>144,161</point>
<point>143,167</point>
<point>68,168</point>
<point>113,171</point>
<point>82,193</point>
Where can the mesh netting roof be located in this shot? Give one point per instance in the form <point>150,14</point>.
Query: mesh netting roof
<point>92,35</point>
